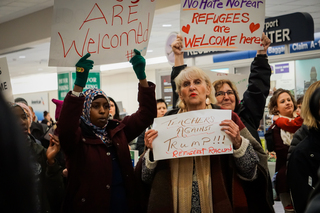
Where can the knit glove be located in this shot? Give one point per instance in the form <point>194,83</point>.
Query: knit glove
<point>82,70</point>
<point>138,63</point>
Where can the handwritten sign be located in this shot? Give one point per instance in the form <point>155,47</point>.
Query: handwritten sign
<point>5,83</point>
<point>193,133</point>
<point>109,30</point>
<point>222,24</point>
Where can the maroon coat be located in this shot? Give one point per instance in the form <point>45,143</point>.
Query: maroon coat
<point>88,159</point>
<point>281,150</point>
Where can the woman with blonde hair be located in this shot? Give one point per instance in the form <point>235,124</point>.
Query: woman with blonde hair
<point>212,183</point>
<point>304,160</point>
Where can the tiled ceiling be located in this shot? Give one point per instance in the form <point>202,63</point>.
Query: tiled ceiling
<point>36,58</point>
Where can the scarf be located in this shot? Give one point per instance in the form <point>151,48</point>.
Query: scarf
<point>100,132</point>
<point>182,170</point>
<point>286,136</point>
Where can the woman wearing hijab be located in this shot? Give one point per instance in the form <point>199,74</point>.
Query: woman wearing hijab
<point>100,172</point>
<point>202,183</point>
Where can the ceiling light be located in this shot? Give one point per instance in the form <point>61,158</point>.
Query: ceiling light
<point>166,25</point>
<point>149,51</point>
<point>223,70</point>
<point>115,66</point>
<point>40,69</point>
<point>22,56</point>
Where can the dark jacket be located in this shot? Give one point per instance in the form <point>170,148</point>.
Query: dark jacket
<point>302,170</point>
<point>255,192</point>
<point>97,170</point>
<point>252,106</point>
<point>38,129</point>
<point>49,181</point>
<point>298,136</point>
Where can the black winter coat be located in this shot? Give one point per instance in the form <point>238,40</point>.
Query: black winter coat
<point>302,169</point>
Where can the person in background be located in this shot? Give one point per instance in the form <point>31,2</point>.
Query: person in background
<point>250,109</point>
<point>303,131</point>
<point>283,104</point>
<point>37,129</point>
<point>304,161</point>
<point>299,104</point>
<point>47,173</point>
<point>47,119</point>
<point>114,109</point>
<point>204,183</point>
<point>100,172</point>
<point>21,100</point>
<point>17,179</point>
<point>162,108</point>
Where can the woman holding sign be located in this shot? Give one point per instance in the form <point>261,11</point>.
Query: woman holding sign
<point>203,183</point>
<point>100,172</point>
<point>250,109</point>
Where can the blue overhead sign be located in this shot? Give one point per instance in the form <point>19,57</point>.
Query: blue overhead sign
<point>306,46</point>
<point>276,50</point>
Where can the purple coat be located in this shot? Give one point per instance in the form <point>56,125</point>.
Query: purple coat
<point>88,159</point>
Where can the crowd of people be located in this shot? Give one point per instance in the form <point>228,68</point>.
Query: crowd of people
<point>81,161</point>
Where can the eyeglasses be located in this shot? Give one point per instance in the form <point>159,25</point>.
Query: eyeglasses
<point>221,93</point>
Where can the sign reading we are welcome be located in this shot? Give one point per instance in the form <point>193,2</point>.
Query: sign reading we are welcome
<point>194,133</point>
<point>109,30</point>
<point>222,24</point>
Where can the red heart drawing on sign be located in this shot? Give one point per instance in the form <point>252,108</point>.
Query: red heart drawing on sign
<point>253,27</point>
<point>186,28</point>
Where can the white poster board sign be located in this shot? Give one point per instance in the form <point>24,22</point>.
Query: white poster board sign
<point>109,30</point>
<point>194,133</point>
<point>5,83</point>
<point>222,25</point>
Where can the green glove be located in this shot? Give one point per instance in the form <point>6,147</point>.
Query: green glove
<point>138,63</point>
<point>82,70</point>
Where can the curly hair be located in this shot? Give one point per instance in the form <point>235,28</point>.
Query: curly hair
<point>273,103</point>
<point>192,73</point>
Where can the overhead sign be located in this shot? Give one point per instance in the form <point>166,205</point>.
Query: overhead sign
<point>109,30</point>
<point>66,82</point>
<point>5,83</point>
<point>306,46</point>
<point>194,133</point>
<point>221,25</point>
<point>291,28</point>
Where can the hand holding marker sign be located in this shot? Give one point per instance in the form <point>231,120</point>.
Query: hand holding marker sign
<point>222,24</point>
<point>108,30</point>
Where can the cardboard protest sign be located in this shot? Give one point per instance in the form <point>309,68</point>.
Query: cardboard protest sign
<point>222,24</point>
<point>193,133</point>
<point>109,30</point>
<point>5,83</point>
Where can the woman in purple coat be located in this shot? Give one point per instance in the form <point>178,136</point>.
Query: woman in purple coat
<point>100,172</point>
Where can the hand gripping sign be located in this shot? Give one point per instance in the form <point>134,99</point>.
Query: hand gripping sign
<point>194,133</point>
<point>108,30</point>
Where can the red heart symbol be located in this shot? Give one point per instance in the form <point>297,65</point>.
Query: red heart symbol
<point>253,27</point>
<point>186,28</point>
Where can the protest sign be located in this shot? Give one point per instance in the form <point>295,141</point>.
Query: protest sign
<point>194,133</point>
<point>5,83</point>
<point>222,24</point>
<point>109,30</point>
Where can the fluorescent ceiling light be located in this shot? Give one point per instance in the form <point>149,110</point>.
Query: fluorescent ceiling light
<point>115,66</point>
<point>22,56</point>
<point>222,70</point>
<point>149,51</point>
<point>166,25</point>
